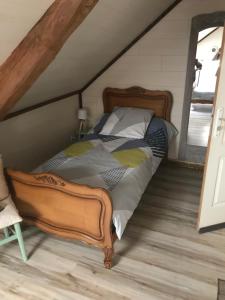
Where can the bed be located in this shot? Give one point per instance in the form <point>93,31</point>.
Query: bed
<point>74,209</point>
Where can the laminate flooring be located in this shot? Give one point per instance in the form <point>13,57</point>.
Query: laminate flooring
<point>199,126</point>
<point>161,255</point>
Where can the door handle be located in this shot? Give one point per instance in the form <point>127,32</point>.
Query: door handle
<point>220,127</point>
<point>219,122</point>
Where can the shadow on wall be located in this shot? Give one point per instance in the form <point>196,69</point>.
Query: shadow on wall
<point>31,138</point>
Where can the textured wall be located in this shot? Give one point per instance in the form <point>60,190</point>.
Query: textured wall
<point>31,138</point>
<point>157,61</point>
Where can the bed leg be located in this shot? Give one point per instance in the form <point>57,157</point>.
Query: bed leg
<point>108,257</point>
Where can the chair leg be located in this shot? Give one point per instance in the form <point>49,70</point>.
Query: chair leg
<point>6,232</point>
<point>20,241</point>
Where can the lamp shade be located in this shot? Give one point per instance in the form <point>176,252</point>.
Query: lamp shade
<point>82,114</point>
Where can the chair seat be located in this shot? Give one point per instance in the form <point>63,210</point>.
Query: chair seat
<point>9,215</point>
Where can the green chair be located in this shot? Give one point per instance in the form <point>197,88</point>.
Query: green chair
<point>9,217</point>
<point>12,233</point>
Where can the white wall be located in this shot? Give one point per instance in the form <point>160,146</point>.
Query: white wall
<point>31,138</point>
<point>157,61</point>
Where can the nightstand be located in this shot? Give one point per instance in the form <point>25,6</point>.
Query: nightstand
<point>74,138</point>
<point>83,133</point>
<point>79,136</point>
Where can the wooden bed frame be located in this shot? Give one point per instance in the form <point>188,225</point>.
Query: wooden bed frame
<point>77,211</point>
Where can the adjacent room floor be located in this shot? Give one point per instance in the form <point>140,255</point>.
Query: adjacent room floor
<point>161,255</point>
<point>199,125</point>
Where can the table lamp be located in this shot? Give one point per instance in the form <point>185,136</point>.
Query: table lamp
<point>82,117</point>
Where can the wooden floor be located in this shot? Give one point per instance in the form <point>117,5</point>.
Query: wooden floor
<point>199,126</point>
<point>161,256</point>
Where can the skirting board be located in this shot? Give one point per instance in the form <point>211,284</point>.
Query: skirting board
<point>186,164</point>
<point>211,228</point>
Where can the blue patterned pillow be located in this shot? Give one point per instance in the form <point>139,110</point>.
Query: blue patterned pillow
<point>157,137</point>
<point>100,124</point>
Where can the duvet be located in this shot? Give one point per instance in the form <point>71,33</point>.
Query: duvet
<point>120,165</point>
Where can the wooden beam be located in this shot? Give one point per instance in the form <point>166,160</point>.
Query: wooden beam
<point>39,48</point>
<point>41,104</point>
<point>207,35</point>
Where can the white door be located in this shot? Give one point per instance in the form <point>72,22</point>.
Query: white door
<point>212,207</point>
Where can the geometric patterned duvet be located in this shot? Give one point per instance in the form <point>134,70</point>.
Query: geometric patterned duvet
<point>120,165</point>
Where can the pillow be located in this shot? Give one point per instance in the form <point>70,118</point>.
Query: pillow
<point>128,122</point>
<point>157,124</point>
<point>100,123</point>
<point>157,137</point>
<point>171,130</point>
<point>8,212</point>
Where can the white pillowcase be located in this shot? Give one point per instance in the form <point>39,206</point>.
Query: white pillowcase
<point>8,211</point>
<point>128,122</point>
<point>9,215</point>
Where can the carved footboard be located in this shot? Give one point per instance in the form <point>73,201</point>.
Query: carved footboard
<point>66,209</point>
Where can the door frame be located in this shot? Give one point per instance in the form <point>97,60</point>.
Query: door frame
<point>191,152</point>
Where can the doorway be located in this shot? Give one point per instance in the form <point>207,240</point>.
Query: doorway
<point>207,62</point>
<point>203,63</point>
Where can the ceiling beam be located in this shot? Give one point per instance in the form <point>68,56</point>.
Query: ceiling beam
<point>44,103</point>
<point>207,35</point>
<point>38,49</point>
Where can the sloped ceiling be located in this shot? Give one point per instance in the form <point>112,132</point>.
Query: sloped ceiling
<point>16,18</point>
<point>110,27</point>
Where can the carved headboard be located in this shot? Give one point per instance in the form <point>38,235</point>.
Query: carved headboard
<point>158,101</point>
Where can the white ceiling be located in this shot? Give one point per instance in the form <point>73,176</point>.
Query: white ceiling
<point>110,26</point>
